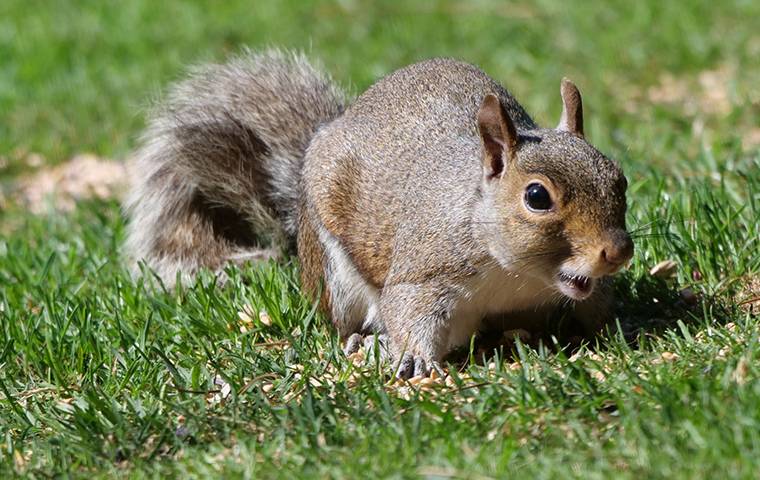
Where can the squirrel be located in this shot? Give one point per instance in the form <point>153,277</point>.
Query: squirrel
<point>429,204</point>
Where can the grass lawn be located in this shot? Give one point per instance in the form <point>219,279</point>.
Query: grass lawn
<point>104,375</point>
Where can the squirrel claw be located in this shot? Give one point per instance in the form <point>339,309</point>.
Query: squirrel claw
<point>415,366</point>
<point>381,341</point>
<point>420,367</point>
<point>406,366</point>
<point>352,344</point>
<point>409,366</point>
<point>438,368</point>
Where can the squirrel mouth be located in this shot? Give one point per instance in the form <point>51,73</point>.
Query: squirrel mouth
<point>577,287</point>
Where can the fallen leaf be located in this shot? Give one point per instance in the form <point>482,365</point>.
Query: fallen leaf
<point>264,318</point>
<point>247,315</point>
<point>669,356</point>
<point>664,269</point>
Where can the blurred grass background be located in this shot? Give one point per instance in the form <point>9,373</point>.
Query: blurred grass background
<point>76,75</point>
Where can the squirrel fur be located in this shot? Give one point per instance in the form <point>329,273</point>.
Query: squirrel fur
<point>429,204</point>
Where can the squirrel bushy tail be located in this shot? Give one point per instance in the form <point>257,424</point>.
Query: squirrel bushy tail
<point>218,174</point>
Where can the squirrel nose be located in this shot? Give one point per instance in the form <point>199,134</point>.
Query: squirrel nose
<point>618,249</point>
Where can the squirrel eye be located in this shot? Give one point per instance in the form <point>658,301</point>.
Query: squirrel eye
<point>537,198</point>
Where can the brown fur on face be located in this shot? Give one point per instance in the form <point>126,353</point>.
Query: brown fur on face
<point>589,205</point>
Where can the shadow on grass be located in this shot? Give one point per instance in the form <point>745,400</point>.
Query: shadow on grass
<point>645,306</point>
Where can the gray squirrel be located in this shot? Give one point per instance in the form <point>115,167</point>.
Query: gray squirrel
<point>431,202</point>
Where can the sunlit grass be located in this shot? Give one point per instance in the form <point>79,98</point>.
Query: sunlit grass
<point>102,374</point>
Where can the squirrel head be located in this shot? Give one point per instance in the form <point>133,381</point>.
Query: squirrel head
<point>553,206</point>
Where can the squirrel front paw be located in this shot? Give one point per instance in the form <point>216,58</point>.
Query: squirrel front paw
<point>353,343</point>
<point>416,366</point>
<point>376,346</point>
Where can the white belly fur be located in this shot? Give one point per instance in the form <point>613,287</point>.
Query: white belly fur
<point>493,292</point>
<point>354,301</point>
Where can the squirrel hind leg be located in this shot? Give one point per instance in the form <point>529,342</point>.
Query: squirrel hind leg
<point>329,274</point>
<point>417,319</point>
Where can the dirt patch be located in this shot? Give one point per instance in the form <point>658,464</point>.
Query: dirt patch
<point>83,177</point>
<point>751,139</point>
<point>707,93</point>
<point>705,98</point>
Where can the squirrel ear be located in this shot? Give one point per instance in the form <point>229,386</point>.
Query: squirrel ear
<point>572,109</point>
<point>498,134</point>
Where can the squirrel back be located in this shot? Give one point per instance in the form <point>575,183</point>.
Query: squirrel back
<point>217,176</point>
<point>406,153</point>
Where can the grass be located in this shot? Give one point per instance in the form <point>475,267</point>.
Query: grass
<point>104,375</point>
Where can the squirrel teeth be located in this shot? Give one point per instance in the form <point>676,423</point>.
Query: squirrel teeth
<point>578,281</point>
